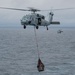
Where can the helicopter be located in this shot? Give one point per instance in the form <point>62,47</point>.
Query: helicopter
<point>35,19</point>
<point>59,31</point>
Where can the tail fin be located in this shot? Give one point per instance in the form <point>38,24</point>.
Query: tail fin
<point>51,16</point>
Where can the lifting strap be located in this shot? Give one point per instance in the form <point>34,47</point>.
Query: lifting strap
<point>40,65</point>
<point>36,43</point>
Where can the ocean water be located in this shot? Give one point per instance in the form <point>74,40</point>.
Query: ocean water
<point>19,55</point>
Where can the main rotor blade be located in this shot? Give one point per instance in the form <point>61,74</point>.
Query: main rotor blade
<point>14,9</point>
<point>32,9</point>
<point>64,9</point>
<point>59,9</point>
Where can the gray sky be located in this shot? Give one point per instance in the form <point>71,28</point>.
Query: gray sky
<point>12,18</point>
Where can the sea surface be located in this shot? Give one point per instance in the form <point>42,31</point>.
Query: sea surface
<point>19,55</point>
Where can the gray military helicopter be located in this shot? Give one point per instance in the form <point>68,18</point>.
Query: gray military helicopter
<point>35,19</point>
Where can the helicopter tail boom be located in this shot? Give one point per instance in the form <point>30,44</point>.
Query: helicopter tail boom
<point>55,22</point>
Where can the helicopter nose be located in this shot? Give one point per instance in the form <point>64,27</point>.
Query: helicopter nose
<point>25,22</point>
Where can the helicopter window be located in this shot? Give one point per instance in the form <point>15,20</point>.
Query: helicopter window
<point>43,17</point>
<point>37,15</point>
<point>39,21</point>
<point>24,18</point>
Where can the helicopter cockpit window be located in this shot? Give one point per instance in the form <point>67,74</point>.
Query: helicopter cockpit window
<point>25,17</point>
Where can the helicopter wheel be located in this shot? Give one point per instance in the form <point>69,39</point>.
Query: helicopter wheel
<point>37,27</point>
<point>47,28</point>
<point>24,27</point>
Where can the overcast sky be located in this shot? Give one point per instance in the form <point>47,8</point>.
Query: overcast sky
<point>12,18</point>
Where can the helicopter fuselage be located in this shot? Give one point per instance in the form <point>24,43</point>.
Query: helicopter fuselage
<point>34,20</point>
<point>37,20</point>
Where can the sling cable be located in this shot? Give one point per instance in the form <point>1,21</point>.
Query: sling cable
<point>40,65</point>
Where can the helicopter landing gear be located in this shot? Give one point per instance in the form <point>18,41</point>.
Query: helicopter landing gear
<point>37,27</point>
<point>47,27</point>
<point>24,26</point>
